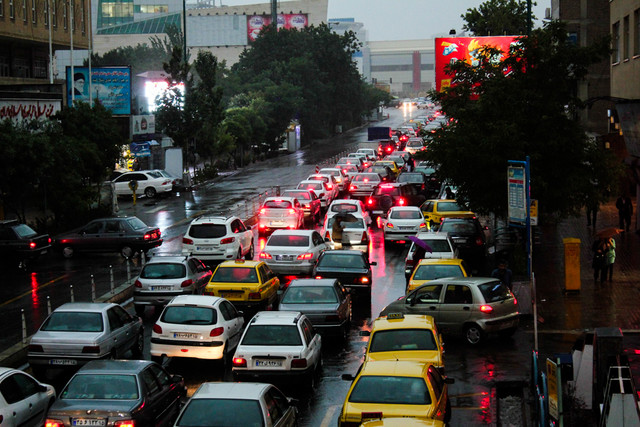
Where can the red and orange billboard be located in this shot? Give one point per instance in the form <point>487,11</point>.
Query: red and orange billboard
<point>287,20</point>
<point>451,49</point>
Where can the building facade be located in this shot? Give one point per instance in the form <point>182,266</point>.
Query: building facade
<point>625,60</point>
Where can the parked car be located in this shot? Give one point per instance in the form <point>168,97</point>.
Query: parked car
<point>164,277</point>
<point>279,344</point>
<point>434,245</point>
<point>218,238</point>
<point>311,204</point>
<point>198,326</point>
<point>280,212</point>
<point>252,404</point>
<point>126,235</point>
<point>78,332</point>
<point>351,267</point>
<point>293,251</point>
<point>20,243</point>
<point>119,393</point>
<point>402,222</point>
<point>476,306</point>
<point>325,302</point>
<point>148,183</point>
<point>24,401</point>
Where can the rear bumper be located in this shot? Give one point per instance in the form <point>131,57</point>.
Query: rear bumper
<point>212,350</point>
<point>158,298</point>
<point>306,268</point>
<point>271,375</point>
<point>501,323</point>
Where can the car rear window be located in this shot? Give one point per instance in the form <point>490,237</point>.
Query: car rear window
<point>457,227</point>
<point>300,195</point>
<point>272,335</point>
<point>372,177</point>
<point>311,186</point>
<point>278,204</point>
<point>393,390</point>
<point>24,231</point>
<point>439,245</point>
<point>384,190</point>
<point>235,275</point>
<point>402,339</point>
<point>344,207</point>
<point>71,321</point>
<point>214,412</point>
<point>494,291</point>
<point>432,272</point>
<point>136,223</point>
<point>207,231</point>
<point>189,315</point>
<point>346,224</point>
<point>310,295</point>
<point>101,386</point>
<point>414,144</point>
<point>163,271</point>
<point>411,177</point>
<point>289,240</point>
<point>341,261</point>
<point>403,214</point>
<point>449,207</point>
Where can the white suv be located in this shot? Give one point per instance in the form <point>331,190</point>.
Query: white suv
<point>278,344</point>
<point>217,238</point>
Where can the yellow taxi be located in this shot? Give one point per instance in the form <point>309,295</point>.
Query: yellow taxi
<point>403,422</point>
<point>246,284</point>
<point>434,210</point>
<point>391,164</point>
<point>396,388</point>
<point>436,268</point>
<point>405,337</point>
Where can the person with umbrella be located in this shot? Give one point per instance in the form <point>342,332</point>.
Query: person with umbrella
<point>609,258</point>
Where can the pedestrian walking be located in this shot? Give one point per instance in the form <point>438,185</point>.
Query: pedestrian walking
<point>609,258</point>
<point>336,232</point>
<point>625,210</point>
<point>592,212</point>
<point>598,263</point>
<point>504,274</point>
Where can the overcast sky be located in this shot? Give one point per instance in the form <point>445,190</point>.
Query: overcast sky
<point>403,19</point>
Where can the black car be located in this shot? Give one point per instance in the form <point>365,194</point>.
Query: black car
<point>388,195</point>
<point>468,237</point>
<point>417,180</point>
<point>126,235</point>
<point>350,267</point>
<point>119,392</point>
<point>20,243</point>
<point>386,147</point>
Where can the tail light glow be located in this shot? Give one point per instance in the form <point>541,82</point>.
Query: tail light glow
<point>186,283</point>
<point>157,329</point>
<point>263,211</point>
<point>292,211</point>
<point>137,284</point>
<point>227,240</point>
<point>125,423</point>
<point>305,256</point>
<point>402,201</point>
<point>265,255</point>
<point>53,423</point>
<point>239,362</point>
<point>186,241</point>
<point>32,245</point>
<point>216,332</point>
<point>364,279</point>
<point>486,308</point>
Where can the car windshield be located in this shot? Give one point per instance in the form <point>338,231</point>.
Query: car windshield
<point>431,272</point>
<point>73,321</point>
<point>403,340</point>
<point>189,315</point>
<point>373,177</point>
<point>272,335</point>
<point>282,204</point>
<point>341,261</point>
<point>215,413</point>
<point>405,214</point>
<point>235,275</point>
<point>299,195</point>
<point>207,231</point>
<point>310,295</point>
<point>24,231</point>
<point>415,178</point>
<point>163,271</point>
<point>289,240</point>
<point>347,224</point>
<point>449,207</point>
<point>311,186</point>
<point>101,386</point>
<point>414,144</point>
<point>391,390</point>
<point>494,291</point>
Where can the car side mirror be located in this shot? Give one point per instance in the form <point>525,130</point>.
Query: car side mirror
<point>41,388</point>
<point>348,377</point>
<point>240,313</point>
<point>448,380</point>
<point>177,378</point>
<point>373,263</point>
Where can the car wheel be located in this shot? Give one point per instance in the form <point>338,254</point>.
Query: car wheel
<point>506,333</point>
<point>67,252</point>
<point>139,308</point>
<point>138,347</point>
<point>150,192</point>
<point>251,253</point>
<point>473,334</point>
<point>126,252</point>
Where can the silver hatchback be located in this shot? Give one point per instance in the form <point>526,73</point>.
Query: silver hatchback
<point>471,306</point>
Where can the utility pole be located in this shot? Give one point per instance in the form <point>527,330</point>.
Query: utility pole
<point>184,31</point>
<point>73,89</point>
<point>50,42</point>
<point>90,51</point>
<point>529,24</point>
<point>274,14</point>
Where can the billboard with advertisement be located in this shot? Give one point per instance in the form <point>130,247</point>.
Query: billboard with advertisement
<point>287,21</point>
<point>451,49</point>
<point>28,109</point>
<point>142,125</point>
<point>110,85</point>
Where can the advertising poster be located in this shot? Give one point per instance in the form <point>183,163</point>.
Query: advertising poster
<point>451,49</point>
<point>110,85</point>
<point>516,195</point>
<point>28,109</point>
<point>142,125</point>
<point>287,21</point>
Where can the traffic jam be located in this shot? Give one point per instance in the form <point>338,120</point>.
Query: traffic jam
<point>264,302</point>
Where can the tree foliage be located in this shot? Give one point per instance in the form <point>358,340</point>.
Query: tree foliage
<point>497,18</point>
<point>521,106</point>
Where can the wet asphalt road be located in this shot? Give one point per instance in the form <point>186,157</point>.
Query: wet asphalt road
<point>476,370</point>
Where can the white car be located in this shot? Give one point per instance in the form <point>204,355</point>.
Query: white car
<point>331,181</point>
<point>322,190</point>
<point>198,326</point>
<point>357,161</point>
<point>349,168</point>
<point>293,251</point>
<point>371,153</point>
<point>355,233</point>
<point>218,238</point>
<point>24,401</point>
<point>352,206</point>
<point>280,212</point>
<point>414,145</point>
<point>341,177</point>
<point>278,344</point>
<point>402,222</point>
<point>241,404</point>
<point>148,183</point>
<point>366,161</point>
<point>436,245</point>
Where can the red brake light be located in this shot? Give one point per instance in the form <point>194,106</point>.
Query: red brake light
<point>478,241</point>
<point>186,283</point>
<point>239,362</point>
<point>292,211</point>
<point>364,279</point>
<point>329,186</point>
<point>32,245</point>
<point>389,225</point>
<point>515,301</point>
<point>137,284</point>
<point>386,186</point>
<point>369,201</point>
<point>486,308</point>
<point>262,211</point>
<point>364,238</point>
<point>307,255</point>
<point>216,332</point>
<point>352,187</point>
<point>125,423</point>
<point>401,201</point>
<point>157,329</point>
<point>254,295</point>
<point>318,277</point>
<point>265,255</point>
<point>227,240</point>
<point>186,241</point>
<point>366,180</point>
<point>298,363</point>
<point>388,149</point>
<point>53,423</point>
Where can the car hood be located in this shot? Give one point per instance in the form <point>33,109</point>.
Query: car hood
<point>98,407</point>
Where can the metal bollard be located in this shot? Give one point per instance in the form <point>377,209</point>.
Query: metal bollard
<point>128,271</point>
<point>143,258</point>
<point>48,305</point>
<point>93,289</point>
<point>71,291</point>
<point>111,284</point>
<point>24,327</point>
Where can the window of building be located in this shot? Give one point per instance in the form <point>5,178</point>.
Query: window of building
<point>12,10</point>
<point>24,10</point>
<point>615,40</point>
<point>4,66</point>
<point>46,13</point>
<point>636,44</point>
<point>64,14</point>
<point>151,8</point>
<point>82,20</point>
<point>1,7</point>
<point>40,68</point>
<point>54,19</point>
<point>625,38</point>
<point>114,12</point>
<point>34,15</point>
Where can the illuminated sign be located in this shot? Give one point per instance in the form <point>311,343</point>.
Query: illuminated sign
<point>111,86</point>
<point>153,91</point>
<point>287,21</point>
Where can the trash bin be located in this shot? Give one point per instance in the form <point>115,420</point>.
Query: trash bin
<point>571,264</point>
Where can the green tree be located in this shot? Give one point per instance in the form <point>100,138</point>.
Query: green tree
<point>497,18</point>
<point>521,106</point>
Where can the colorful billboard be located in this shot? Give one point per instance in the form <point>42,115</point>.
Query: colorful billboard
<point>451,49</point>
<point>288,21</point>
<point>109,85</point>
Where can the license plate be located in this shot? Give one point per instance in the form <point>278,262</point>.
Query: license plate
<point>186,335</point>
<point>161,288</point>
<point>378,212</point>
<point>268,363</point>
<point>406,228</point>
<point>284,257</point>
<point>89,422</point>
<point>205,248</point>
<point>63,362</point>
<point>277,223</point>
<point>230,295</point>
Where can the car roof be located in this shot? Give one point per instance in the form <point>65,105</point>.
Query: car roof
<point>212,219</point>
<point>240,263</point>
<point>312,282</point>
<point>311,181</point>
<point>411,321</point>
<point>230,390</point>
<point>346,202</point>
<point>405,208</point>
<point>114,366</point>
<point>405,368</point>
<point>280,198</point>
<point>85,306</point>
<point>203,300</point>
<point>297,232</point>
<point>473,281</point>
<point>440,261</point>
<point>434,235</point>
<point>159,258</point>
<point>276,318</point>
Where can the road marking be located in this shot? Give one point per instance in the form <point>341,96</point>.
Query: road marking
<point>31,291</point>
<point>327,418</point>
<point>157,209</point>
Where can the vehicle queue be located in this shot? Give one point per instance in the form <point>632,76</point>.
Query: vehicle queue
<point>267,346</point>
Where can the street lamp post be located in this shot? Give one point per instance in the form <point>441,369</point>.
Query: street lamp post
<point>184,30</point>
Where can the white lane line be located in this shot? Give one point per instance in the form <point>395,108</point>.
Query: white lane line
<point>327,418</point>
<point>157,209</point>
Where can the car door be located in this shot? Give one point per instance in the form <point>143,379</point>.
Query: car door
<point>312,339</point>
<point>455,309</point>
<point>118,336</point>
<point>200,272</point>
<point>233,323</point>
<point>157,404</point>
<point>345,301</point>
<point>319,245</point>
<point>281,412</point>
<point>242,234</point>
<point>114,235</point>
<point>26,403</point>
<point>169,395</point>
<point>425,300</point>
<point>90,236</point>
